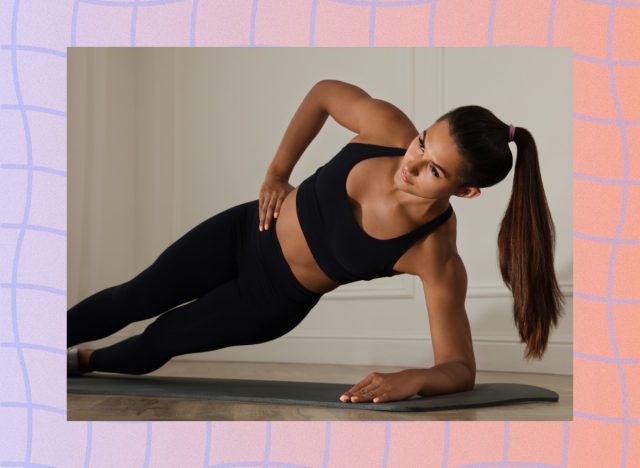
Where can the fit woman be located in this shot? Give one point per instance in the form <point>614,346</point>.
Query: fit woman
<point>380,207</point>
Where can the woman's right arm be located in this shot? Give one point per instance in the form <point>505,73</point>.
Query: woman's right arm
<point>326,97</point>
<point>351,107</point>
<point>305,125</point>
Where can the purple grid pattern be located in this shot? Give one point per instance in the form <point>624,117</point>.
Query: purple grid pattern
<point>24,109</point>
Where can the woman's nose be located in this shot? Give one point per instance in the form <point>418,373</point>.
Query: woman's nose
<point>411,167</point>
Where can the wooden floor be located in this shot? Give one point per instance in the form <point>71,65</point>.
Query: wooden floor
<point>119,408</point>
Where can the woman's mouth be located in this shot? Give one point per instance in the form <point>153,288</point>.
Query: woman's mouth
<point>404,177</point>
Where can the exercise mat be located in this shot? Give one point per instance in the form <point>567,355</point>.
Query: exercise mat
<point>296,393</point>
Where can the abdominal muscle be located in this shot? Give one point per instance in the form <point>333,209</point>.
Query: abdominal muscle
<point>296,250</point>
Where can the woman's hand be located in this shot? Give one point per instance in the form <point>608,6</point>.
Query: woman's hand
<point>380,387</point>
<point>273,191</point>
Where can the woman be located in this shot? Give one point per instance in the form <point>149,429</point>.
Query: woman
<point>380,207</point>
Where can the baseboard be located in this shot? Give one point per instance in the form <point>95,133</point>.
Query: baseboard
<point>504,356</point>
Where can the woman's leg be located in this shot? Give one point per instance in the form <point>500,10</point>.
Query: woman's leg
<point>264,302</point>
<point>203,258</point>
<point>226,316</point>
<point>192,327</point>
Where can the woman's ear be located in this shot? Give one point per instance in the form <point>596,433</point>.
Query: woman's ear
<point>468,192</point>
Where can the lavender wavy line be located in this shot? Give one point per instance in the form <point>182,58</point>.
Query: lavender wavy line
<point>616,237</point>
<point>372,4</point>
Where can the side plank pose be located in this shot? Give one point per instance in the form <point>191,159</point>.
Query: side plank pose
<point>380,207</point>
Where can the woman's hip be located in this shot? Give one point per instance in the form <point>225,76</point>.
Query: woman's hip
<point>263,267</point>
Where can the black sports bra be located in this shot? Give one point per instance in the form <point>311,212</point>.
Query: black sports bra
<point>343,250</point>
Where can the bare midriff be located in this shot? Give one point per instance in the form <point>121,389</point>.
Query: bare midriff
<point>296,250</point>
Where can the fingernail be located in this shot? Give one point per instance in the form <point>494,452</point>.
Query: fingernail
<point>275,215</point>
<point>260,227</point>
<point>266,226</point>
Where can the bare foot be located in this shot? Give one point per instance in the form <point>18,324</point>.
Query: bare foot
<point>83,359</point>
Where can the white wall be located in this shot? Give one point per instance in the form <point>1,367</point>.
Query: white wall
<point>159,140</point>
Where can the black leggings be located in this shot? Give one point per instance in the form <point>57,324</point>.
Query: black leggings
<point>241,287</point>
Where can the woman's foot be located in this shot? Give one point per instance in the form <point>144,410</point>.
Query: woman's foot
<point>83,359</point>
<point>78,361</point>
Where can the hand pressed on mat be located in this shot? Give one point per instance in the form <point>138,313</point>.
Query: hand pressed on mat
<point>381,387</point>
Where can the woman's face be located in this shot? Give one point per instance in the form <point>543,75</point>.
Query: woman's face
<point>430,166</point>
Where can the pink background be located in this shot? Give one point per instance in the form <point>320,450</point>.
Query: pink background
<point>34,35</point>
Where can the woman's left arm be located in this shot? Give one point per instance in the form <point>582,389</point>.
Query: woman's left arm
<point>454,370</point>
<point>445,291</point>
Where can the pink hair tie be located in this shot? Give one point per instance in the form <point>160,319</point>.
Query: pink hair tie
<point>512,131</point>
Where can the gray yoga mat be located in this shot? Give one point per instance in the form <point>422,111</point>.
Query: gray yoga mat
<point>297,393</point>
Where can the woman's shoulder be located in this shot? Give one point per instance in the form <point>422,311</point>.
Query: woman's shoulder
<point>441,244</point>
<point>431,251</point>
<point>394,132</point>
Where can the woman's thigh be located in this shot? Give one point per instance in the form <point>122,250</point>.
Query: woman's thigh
<point>260,302</point>
<point>199,261</point>
<point>263,302</point>
<point>225,316</point>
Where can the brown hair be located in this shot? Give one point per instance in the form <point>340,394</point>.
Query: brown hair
<point>526,240</point>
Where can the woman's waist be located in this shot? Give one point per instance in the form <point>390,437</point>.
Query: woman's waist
<point>296,250</point>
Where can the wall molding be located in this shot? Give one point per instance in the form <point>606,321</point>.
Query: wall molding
<point>406,288</point>
<point>402,287</point>
<point>491,355</point>
<point>502,291</point>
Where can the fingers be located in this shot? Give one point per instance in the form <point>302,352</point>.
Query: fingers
<point>273,192</point>
<point>384,396</point>
<point>264,202</point>
<point>278,205</point>
<point>266,212</point>
<point>363,390</point>
<point>368,393</point>
<point>269,209</point>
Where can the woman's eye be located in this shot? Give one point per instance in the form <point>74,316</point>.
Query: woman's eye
<point>434,172</point>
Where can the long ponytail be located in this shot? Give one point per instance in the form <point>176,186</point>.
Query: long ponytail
<point>526,244</point>
<point>526,240</point>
